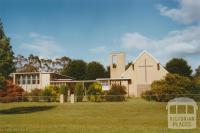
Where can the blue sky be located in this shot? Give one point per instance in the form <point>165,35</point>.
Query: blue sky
<point>91,29</point>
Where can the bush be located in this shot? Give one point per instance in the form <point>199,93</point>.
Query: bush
<point>79,92</point>
<point>116,93</point>
<point>11,92</point>
<point>94,91</point>
<point>63,89</point>
<point>172,86</point>
<point>35,93</point>
<point>51,93</point>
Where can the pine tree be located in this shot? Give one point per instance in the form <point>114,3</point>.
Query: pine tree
<point>6,56</point>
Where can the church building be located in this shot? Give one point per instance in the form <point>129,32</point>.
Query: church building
<point>139,75</point>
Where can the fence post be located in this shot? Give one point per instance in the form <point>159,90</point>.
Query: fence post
<point>61,98</point>
<point>72,98</point>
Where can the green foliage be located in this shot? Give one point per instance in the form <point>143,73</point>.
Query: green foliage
<point>95,70</point>
<point>76,69</point>
<point>94,91</point>
<point>116,93</point>
<point>107,74</point>
<point>47,91</point>
<point>79,92</point>
<point>51,93</point>
<point>36,92</point>
<point>2,80</point>
<point>197,72</point>
<point>64,89</point>
<point>179,66</point>
<point>6,56</point>
<point>172,86</point>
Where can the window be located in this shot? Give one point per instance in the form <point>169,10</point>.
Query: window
<point>114,61</point>
<point>158,66</point>
<point>33,79</point>
<point>133,67</point>
<point>28,79</point>
<point>190,109</point>
<point>23,80</point>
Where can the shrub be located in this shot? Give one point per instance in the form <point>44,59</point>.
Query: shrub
<point>11,92</point>
<point>63,89</point>
<point>51,93</point>
<point>35,93</point>
<point>116,93</point>
<point>94,91</point>
<point>79,92</point>
<point>172,86</point>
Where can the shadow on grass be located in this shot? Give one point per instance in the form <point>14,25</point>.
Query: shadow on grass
<point>24,110</point>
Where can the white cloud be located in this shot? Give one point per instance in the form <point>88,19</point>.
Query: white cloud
<point>97,50</point>
<point>177,43</point>
<point>187,13</point>
<point>43,46</point>
<point>34,35</point>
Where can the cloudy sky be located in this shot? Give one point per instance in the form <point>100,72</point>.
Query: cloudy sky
<point>91,29</point>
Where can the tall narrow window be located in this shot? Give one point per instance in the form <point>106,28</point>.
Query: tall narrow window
<point>114,61</point>
<point>28,79</point>
<point>133,67</point>
<point>34,79</point>
<point>23,79</point>
<point>158,66</point>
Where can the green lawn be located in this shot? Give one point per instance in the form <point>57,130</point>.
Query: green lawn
<point>133,116</point>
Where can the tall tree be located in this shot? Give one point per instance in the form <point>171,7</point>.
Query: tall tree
<point>197,73</point>
<point>95,70</point>
<point>6,55</point>
<point>179,66</point>
<point>76,69</point>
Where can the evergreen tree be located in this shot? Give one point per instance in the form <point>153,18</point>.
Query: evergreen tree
<point>95,70</point>
<point>6,55</point>
<point>179,66</point>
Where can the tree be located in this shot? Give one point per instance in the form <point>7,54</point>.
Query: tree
<point>76,69</point>
<point>6,56</point>
<point>107,75</point>
<point>95,70</point>
<point>179,66</point>
<point>197,73</point>
<point>33,63</point>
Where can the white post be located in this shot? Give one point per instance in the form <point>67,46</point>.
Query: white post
<point>61,98</point>
<point>72,98</point>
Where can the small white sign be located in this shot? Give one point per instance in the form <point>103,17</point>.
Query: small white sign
<point>105,86</point>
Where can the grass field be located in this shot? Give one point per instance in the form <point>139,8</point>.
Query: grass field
<point>133,116</point>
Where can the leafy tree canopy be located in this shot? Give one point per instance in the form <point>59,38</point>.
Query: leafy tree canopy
<point>76,69</point>
<point>197,73</point>
<point>95,70</point>
<point>179,66</point>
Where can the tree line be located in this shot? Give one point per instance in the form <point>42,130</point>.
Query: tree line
<point>79,69</point>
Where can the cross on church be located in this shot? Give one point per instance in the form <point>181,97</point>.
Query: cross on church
<point>145,68</point>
